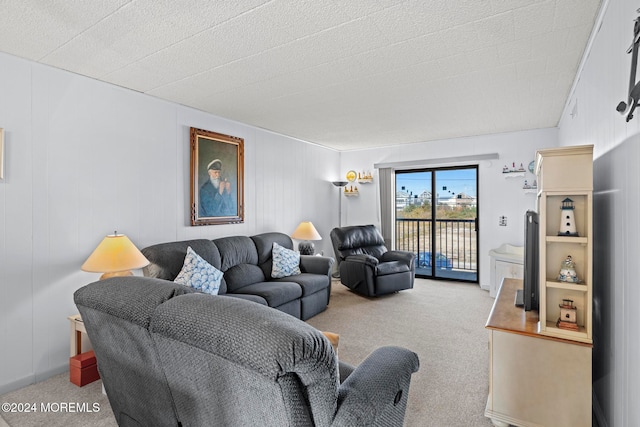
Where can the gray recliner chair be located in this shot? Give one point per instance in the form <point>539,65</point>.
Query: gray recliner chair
<point>169,356</point>
<point>366,265</point>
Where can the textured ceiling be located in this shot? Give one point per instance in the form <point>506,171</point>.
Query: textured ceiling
<point>345,74</point>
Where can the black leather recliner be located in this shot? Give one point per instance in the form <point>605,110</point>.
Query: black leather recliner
<point>365,264</point>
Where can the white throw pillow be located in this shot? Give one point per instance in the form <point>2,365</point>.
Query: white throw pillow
<point>199,274</point>
<point>285,262</point>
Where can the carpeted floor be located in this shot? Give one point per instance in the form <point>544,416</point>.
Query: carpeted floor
<point>443,322</point>
<point>57,402</point>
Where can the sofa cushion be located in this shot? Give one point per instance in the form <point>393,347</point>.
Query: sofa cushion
<point>166,259</point>
<point>199,274</point>
<point>285,262</point>
<point>236,250</point>
<point>310,283</point>
<point>264,247</point>
<point>276,293</point>
<point>242,275</point>
<point>391,267</point>
<point>264,244</point>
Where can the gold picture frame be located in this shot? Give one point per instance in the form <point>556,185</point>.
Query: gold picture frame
<point>217,178</point>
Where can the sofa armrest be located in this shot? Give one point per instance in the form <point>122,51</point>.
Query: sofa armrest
<point>402,256</point>
<point>363,259</point>
<point>316,264</point>
<point>358,272</point>
<point>377,389</point>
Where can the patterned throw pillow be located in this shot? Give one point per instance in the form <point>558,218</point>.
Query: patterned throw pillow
<point>199,274</point>
<point>285,262</point>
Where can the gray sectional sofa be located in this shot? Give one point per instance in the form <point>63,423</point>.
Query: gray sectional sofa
<point>170,356</point>
<point>246,263</point>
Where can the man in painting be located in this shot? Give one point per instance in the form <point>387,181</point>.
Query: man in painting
<point>215,193</point>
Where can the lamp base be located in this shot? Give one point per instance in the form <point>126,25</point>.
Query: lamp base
<point>116,274</point>
<point>306,248</point>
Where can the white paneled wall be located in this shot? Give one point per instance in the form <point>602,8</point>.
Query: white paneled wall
<point>85,158</point>
<point>498,196</point>
<point>591,118</point>
<point>16,219</point>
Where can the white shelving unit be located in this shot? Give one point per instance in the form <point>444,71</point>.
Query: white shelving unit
<point>540,374</point>
<point>565,173</point>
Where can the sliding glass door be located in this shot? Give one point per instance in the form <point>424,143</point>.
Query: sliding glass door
<point>436,218</point>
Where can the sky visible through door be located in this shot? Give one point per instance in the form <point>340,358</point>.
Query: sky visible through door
<point>456,181</point>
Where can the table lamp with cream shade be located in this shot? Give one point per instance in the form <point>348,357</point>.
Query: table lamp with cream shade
<point>116,255</point>
<point>306,232</point>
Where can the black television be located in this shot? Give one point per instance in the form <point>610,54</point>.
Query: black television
<point>527,297</point>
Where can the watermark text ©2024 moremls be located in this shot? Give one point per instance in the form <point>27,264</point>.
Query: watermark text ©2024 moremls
<point>50,407</point>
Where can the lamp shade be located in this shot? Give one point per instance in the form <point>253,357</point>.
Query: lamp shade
<point>306,231</point>
<point>116,255</point>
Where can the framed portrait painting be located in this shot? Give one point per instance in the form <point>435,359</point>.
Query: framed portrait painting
<point>217,178</point>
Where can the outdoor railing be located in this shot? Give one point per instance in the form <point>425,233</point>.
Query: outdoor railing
<point>455,239</point>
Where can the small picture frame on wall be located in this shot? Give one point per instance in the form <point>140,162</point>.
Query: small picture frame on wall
<point>217,178</point>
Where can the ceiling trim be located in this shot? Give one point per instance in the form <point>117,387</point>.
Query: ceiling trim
<point>587,50</point>
<point>426,162</point>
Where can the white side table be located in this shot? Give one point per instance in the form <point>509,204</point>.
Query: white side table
<point>77,329</point>
<point>75,346</point>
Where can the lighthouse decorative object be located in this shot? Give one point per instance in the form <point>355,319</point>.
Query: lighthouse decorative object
<point>567,220</point>
<point>568,271</point>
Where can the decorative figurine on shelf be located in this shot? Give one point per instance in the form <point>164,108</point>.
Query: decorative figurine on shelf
<point>351,190</point>
<point>567,220</point>
<point>365,177</point>
<point>514,169</point>
<point>568,271</point>
<point>568,316</point>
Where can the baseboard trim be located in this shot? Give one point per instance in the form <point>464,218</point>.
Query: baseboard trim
<point>17,384</point>
<point>33,378</point>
